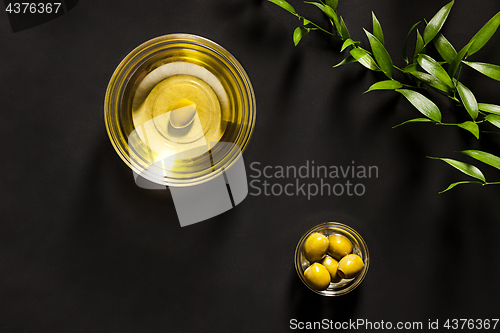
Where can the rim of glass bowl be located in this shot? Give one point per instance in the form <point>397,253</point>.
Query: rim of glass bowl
<point>133,61</point>
<point>363,248</point>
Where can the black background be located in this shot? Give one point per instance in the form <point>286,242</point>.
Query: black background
<point>83,249</point>
<point>21,17</point>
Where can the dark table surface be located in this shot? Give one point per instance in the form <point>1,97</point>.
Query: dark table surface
<point>83,249</point>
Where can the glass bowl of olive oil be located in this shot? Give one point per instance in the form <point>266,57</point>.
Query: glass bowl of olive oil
<point>179,110</point>
<point>338,285</point>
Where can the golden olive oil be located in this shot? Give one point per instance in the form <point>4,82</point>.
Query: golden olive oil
<point>157,97</point>
<point>163,137</point>
<point>181,104</point>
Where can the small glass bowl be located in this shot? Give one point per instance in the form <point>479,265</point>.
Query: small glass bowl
<point>359,247</point>
<point>237,116</point>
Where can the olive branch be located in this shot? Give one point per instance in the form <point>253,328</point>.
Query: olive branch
<point>440,75</point>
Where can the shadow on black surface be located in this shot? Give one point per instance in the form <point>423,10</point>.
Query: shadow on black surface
<point>340,99</point>
<point>289,84</point>
<point>108,178</point>
<point>457,228</point>
<point>249,23</point>
<point>321,42</point>
<point>229,8</point>
<point>110,184</point>
<point>306,306</point>
<point>383,115</point>
<point>124,256</point>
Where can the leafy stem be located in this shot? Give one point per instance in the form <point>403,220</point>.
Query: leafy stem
<point>399,69</point>
<point>303,19</point>
<point>414,87</point>
<point>441,75</point>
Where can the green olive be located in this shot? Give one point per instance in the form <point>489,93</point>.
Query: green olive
<point>315,247</point>
<point>317,276</point>
<point>350,266</point>
<point>331,266</point>
<point>337,278</point>
<point>339,247</point>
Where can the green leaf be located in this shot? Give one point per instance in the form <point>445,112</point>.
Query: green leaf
<point>364,58</point>
<point>458,59</point>
<point>336,22</point>
<point>416,120</point>
<point>411,68</point>
<point>458,183</point>
<point>466,168</point>
<point>298,34</point>
<point>347,60</point>
<point>491,71</point>
<point>468,99</point>
<point>333,18</point>
<point>493,119</point>
<point>385,85</point>
<point>471,127</point>
<point>484,34</point>
<point>491,108</point>
<point>381,55</point>
<point>435,69</point>
<point>419,46</point>
<point>405,56</point>
<point>329,12</point>
<point>430,80</point>
<point>283,4</point>
<point>484,157</point>
<point>332,3</point>
<point>444,47</point>
<point>422,103</point>
<point>436,23</point>
<point>348,42</point>
<point>377,29</point>
<point>343,29</point>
